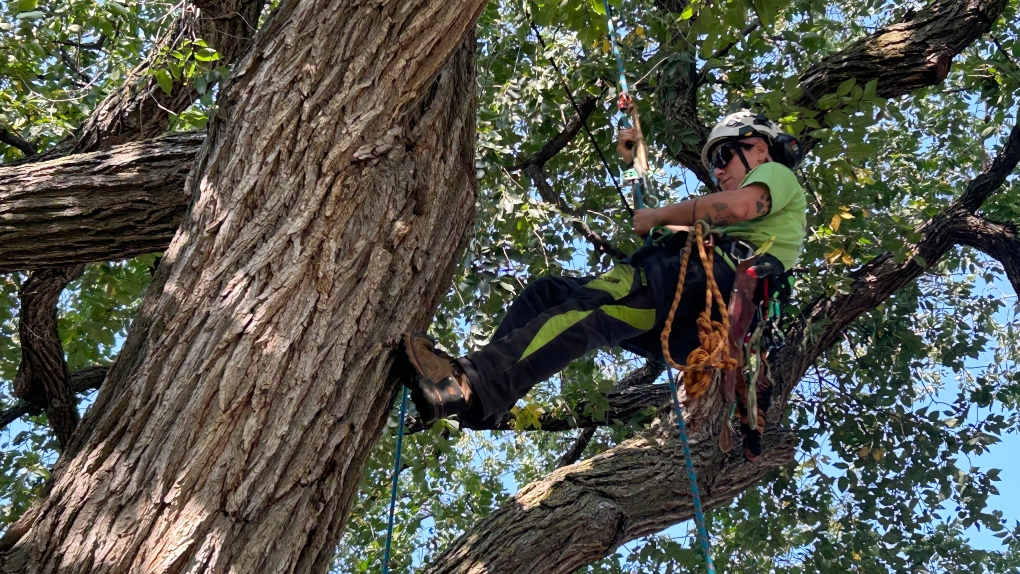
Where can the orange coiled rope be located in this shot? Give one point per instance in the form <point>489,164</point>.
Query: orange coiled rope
<point>714,350</point>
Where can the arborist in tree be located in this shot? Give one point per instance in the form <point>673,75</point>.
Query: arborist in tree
<point>760,208</point>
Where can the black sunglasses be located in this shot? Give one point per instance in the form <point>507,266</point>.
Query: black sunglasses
<point>724,153</point>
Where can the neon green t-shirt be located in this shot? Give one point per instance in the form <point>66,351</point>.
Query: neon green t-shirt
<point>781,232</point>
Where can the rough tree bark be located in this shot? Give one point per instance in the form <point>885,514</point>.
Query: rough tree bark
<point>330,201</point>
<point>43,380</point>
<point>97,206</point>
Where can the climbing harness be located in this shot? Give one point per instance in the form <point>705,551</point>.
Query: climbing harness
<point>396,476</point>
<point>637,177</point>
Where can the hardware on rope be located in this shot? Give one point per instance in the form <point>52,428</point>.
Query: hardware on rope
<point>396,476</point>
<point>637,177</point>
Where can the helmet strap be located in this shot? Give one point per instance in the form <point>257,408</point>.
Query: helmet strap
<point>740,153</point>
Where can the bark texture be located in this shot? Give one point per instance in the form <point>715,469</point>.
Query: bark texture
<point>43,380</point>
<point>583,512</point>
<point>905,56</point>
<point>98,206</point>
<point>997,239</point>
<point>330,202</point>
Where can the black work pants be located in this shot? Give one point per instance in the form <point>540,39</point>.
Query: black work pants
<point>558,319</point>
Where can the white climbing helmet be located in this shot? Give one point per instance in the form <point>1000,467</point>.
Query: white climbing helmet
<point>740,124</point>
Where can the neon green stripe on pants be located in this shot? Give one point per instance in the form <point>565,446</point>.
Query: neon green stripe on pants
<point>553,328</point>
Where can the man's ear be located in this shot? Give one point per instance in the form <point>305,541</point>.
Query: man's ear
<point>761,150</point>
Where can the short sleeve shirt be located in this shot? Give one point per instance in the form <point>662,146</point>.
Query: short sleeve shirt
<point>781,232</point>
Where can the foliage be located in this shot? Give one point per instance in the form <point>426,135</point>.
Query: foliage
<point>889,420</point>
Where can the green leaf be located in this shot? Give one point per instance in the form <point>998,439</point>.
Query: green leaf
<point>598,7</point>
<point>687,13</point>
<point>27,5</point>
<point>164,80</point>
<point>117,9</point>
<point>31,16</point>
<point>869,89</point>
<point>846,86</point>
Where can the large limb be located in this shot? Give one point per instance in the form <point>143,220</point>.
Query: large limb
<point>97,206</point>
<point>43,380</point>
<point>998,240</point>
<point>911,54</point>
<point>581,513</point>
<point>323,225</point>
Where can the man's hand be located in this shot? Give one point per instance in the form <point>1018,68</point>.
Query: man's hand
<point>627,136</point>
<point>645,220</point>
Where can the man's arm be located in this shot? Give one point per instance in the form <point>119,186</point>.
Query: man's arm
<point>720,208</point>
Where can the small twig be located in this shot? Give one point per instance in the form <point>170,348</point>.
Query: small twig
<point>1005,54</point>
<point>97,45</point>
<point>723,51</point>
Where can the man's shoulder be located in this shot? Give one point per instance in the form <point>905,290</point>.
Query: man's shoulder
<point>772,171</point>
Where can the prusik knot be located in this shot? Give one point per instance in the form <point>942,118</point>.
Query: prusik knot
<point>713,355</point>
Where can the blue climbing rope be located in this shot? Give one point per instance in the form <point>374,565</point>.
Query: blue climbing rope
<point>639,182</point>
<point>699,513</point>
<point>396,476</point>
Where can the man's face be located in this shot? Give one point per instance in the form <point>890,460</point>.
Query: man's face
<point>730,175</point>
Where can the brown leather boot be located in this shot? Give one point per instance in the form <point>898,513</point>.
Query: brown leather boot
<point>440,390</point>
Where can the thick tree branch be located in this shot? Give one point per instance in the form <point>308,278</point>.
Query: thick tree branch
<point>87,379</point>
<point>98,206</point>
<point>998,240</point>
<point>10,138</point>
<point>573,454</point>
<point>42,379</point>
<point>560,141</point>
<point>603,502</point>
<point>914,53</point>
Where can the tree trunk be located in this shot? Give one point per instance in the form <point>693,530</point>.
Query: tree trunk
<point>330,202</point>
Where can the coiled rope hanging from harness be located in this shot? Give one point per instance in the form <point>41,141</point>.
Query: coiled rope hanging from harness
<point>639,181</point>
